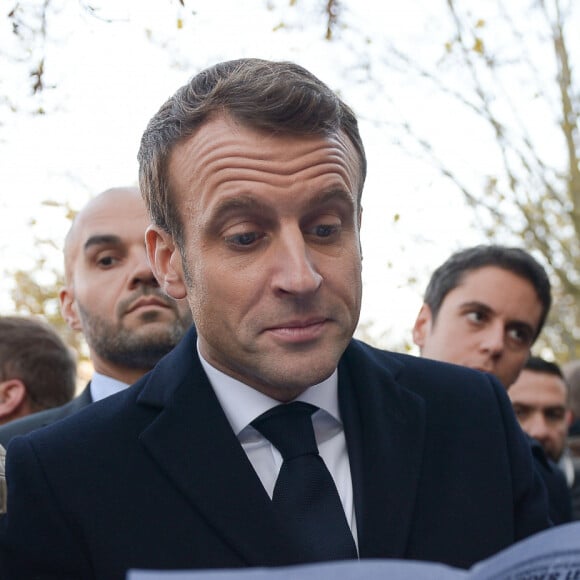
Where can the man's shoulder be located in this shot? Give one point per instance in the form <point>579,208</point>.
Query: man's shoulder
<point>43,418</point>
<point>125,413</point>
<point>444,389</point>
<point>100,426</point>
<point>419,373</point>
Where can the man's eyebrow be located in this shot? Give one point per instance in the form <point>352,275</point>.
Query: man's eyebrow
<point>239,202</point>
<point>247,203</point>
<point>102,240</point>
<point>332,195</point>
<point>487,309</point>
<point>516,322</point>
<point>475,304</point>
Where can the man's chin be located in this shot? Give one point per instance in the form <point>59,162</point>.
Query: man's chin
<point>152,316</point>
<point>154,332</point>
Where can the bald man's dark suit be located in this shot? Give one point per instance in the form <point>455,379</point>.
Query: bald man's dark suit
<point>154,477</point>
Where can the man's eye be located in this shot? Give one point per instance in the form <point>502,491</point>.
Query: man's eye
<point>520,335</point>
<point>243,240</point>
<point>555,415</point>
<point>476,316</point>
<point>326,230</point>
<point>520,412</point>
<point>107,261</point>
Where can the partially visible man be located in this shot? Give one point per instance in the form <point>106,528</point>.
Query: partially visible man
<point>571,372</point>
<point>113,298</point>
<point>268,437</point>
<point>3,491</point>
<point>540,401</point>
<point>483,308</point>
<point>37,368</point>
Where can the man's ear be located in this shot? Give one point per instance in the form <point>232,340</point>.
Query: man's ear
<point>359,220</point>
<point>13,400</point>
<point>422,326</point>
<point>68,308</point>
<point>165,259</point>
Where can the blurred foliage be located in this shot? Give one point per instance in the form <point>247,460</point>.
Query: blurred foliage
<point>35,291</point>
<point>513,72</point>
<point>536,198</point>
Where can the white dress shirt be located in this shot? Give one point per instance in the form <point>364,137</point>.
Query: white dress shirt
<point>567,466</point>
<point>102,386</point>
<point>242,404</point>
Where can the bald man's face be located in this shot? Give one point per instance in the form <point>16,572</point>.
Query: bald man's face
<point>111,294</point>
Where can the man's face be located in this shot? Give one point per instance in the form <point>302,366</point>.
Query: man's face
<point>539,401</point>
<point>271,262</point>
<point>488,322</point>
<point>111,293</point>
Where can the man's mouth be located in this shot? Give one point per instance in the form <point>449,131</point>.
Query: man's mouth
<point>147,302</point>
<point>298,330</point>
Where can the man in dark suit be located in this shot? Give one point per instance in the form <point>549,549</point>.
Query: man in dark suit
<point>540,398</point>
<point>253,174</point>
<point>483,308</point>
<point>112,297</point>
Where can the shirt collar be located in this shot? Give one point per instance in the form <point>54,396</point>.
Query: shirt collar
<point>242,403</point>
<point>102,386</point>
<point>567,466</point>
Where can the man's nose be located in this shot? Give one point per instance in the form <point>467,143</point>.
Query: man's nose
<point>142,275</point>
<point>493,338</point>
<point>537,427</point>
<point>295,270</point>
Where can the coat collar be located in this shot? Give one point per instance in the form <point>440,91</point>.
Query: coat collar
<point>385,430</point>
<point>193,443</point>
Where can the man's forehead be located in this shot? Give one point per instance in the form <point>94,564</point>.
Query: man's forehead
<point>539,383</point>
<point>105,224</point>
<point>198,156</point>
<point>499,291</point>
<point>488,274</point>
<point>487,284</point>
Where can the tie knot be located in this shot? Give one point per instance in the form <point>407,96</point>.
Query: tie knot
<point>289,428</point>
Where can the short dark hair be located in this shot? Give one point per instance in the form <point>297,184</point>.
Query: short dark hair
<point>277,97</point>
<point>33,352</point>
<point>540,365</point>
<point>515,260</point>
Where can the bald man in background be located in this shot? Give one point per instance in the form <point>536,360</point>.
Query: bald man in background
<point>112,297</point>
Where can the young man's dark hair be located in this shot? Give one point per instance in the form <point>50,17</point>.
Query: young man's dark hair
<point>515,260</point>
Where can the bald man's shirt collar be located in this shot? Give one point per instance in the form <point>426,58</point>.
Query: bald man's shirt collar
<point>103,386</point>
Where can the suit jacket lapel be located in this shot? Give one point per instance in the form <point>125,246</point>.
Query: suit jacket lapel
<point>193,443</point>
<point>384,427</point>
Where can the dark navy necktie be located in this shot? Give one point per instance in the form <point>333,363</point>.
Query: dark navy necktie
<point>305,495</point>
